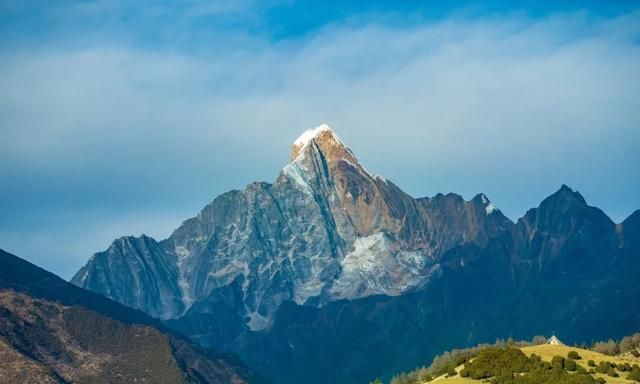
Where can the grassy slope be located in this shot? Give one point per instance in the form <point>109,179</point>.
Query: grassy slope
<point>548,351</point>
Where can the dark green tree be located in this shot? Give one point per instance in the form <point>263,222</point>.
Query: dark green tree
<point>603,367</point>
<point>573,355</point>
<point>634,374</point>
<point>558,361</point>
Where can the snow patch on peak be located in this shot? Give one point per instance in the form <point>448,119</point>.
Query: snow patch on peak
<point>489,207</point>
<point>312,133</point>
<point>301,143</point>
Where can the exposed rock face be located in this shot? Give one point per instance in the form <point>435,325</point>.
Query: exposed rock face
<point>325,230</point>
<point>54,332</point>
<point>147,275</point>
<point>564,268</point>
<point>332,265</point>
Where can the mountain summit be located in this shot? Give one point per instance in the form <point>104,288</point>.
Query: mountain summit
<point>318,158</point>
<point>330,258</point>
<point>322,139</point>
<point>325,230</point>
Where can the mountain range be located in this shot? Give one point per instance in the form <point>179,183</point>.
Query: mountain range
<point>333,274</point>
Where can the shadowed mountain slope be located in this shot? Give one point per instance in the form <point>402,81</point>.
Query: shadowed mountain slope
<point>54,332</point>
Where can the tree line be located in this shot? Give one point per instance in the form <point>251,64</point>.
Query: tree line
<point>446,363</point>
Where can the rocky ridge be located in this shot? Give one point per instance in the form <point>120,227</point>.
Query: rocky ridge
<point>325,230</point>
<point>333,266</point>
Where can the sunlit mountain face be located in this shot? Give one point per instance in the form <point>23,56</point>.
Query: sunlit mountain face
<point>241,191</point>
<point>294,270</point>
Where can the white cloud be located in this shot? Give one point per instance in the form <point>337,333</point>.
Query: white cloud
<point>512,107</point>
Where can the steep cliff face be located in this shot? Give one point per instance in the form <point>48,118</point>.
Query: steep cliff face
<point>325,230</point>
<point>331,264</point>
<point>137,272</point>
<point>564,268</point>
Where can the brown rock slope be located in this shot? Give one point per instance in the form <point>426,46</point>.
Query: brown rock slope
<point>47,336</point>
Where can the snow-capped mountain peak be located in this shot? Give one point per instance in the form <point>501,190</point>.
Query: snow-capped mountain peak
<point>310,134</point>
<point>323,138</point>
<point>325,230</point>
<point>319,157</point>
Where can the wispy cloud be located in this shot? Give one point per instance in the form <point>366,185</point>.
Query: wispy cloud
<point>512,106</point>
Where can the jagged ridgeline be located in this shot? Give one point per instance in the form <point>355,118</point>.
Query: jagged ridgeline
<point>325,230</point>
<point>332,266</point>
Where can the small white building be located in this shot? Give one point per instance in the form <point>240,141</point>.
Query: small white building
<point>553,340</point>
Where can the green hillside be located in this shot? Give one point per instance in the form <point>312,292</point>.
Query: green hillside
<point>549,373</point>
<point>527,364</point>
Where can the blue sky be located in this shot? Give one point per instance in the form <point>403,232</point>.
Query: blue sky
<point>120,117</point>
